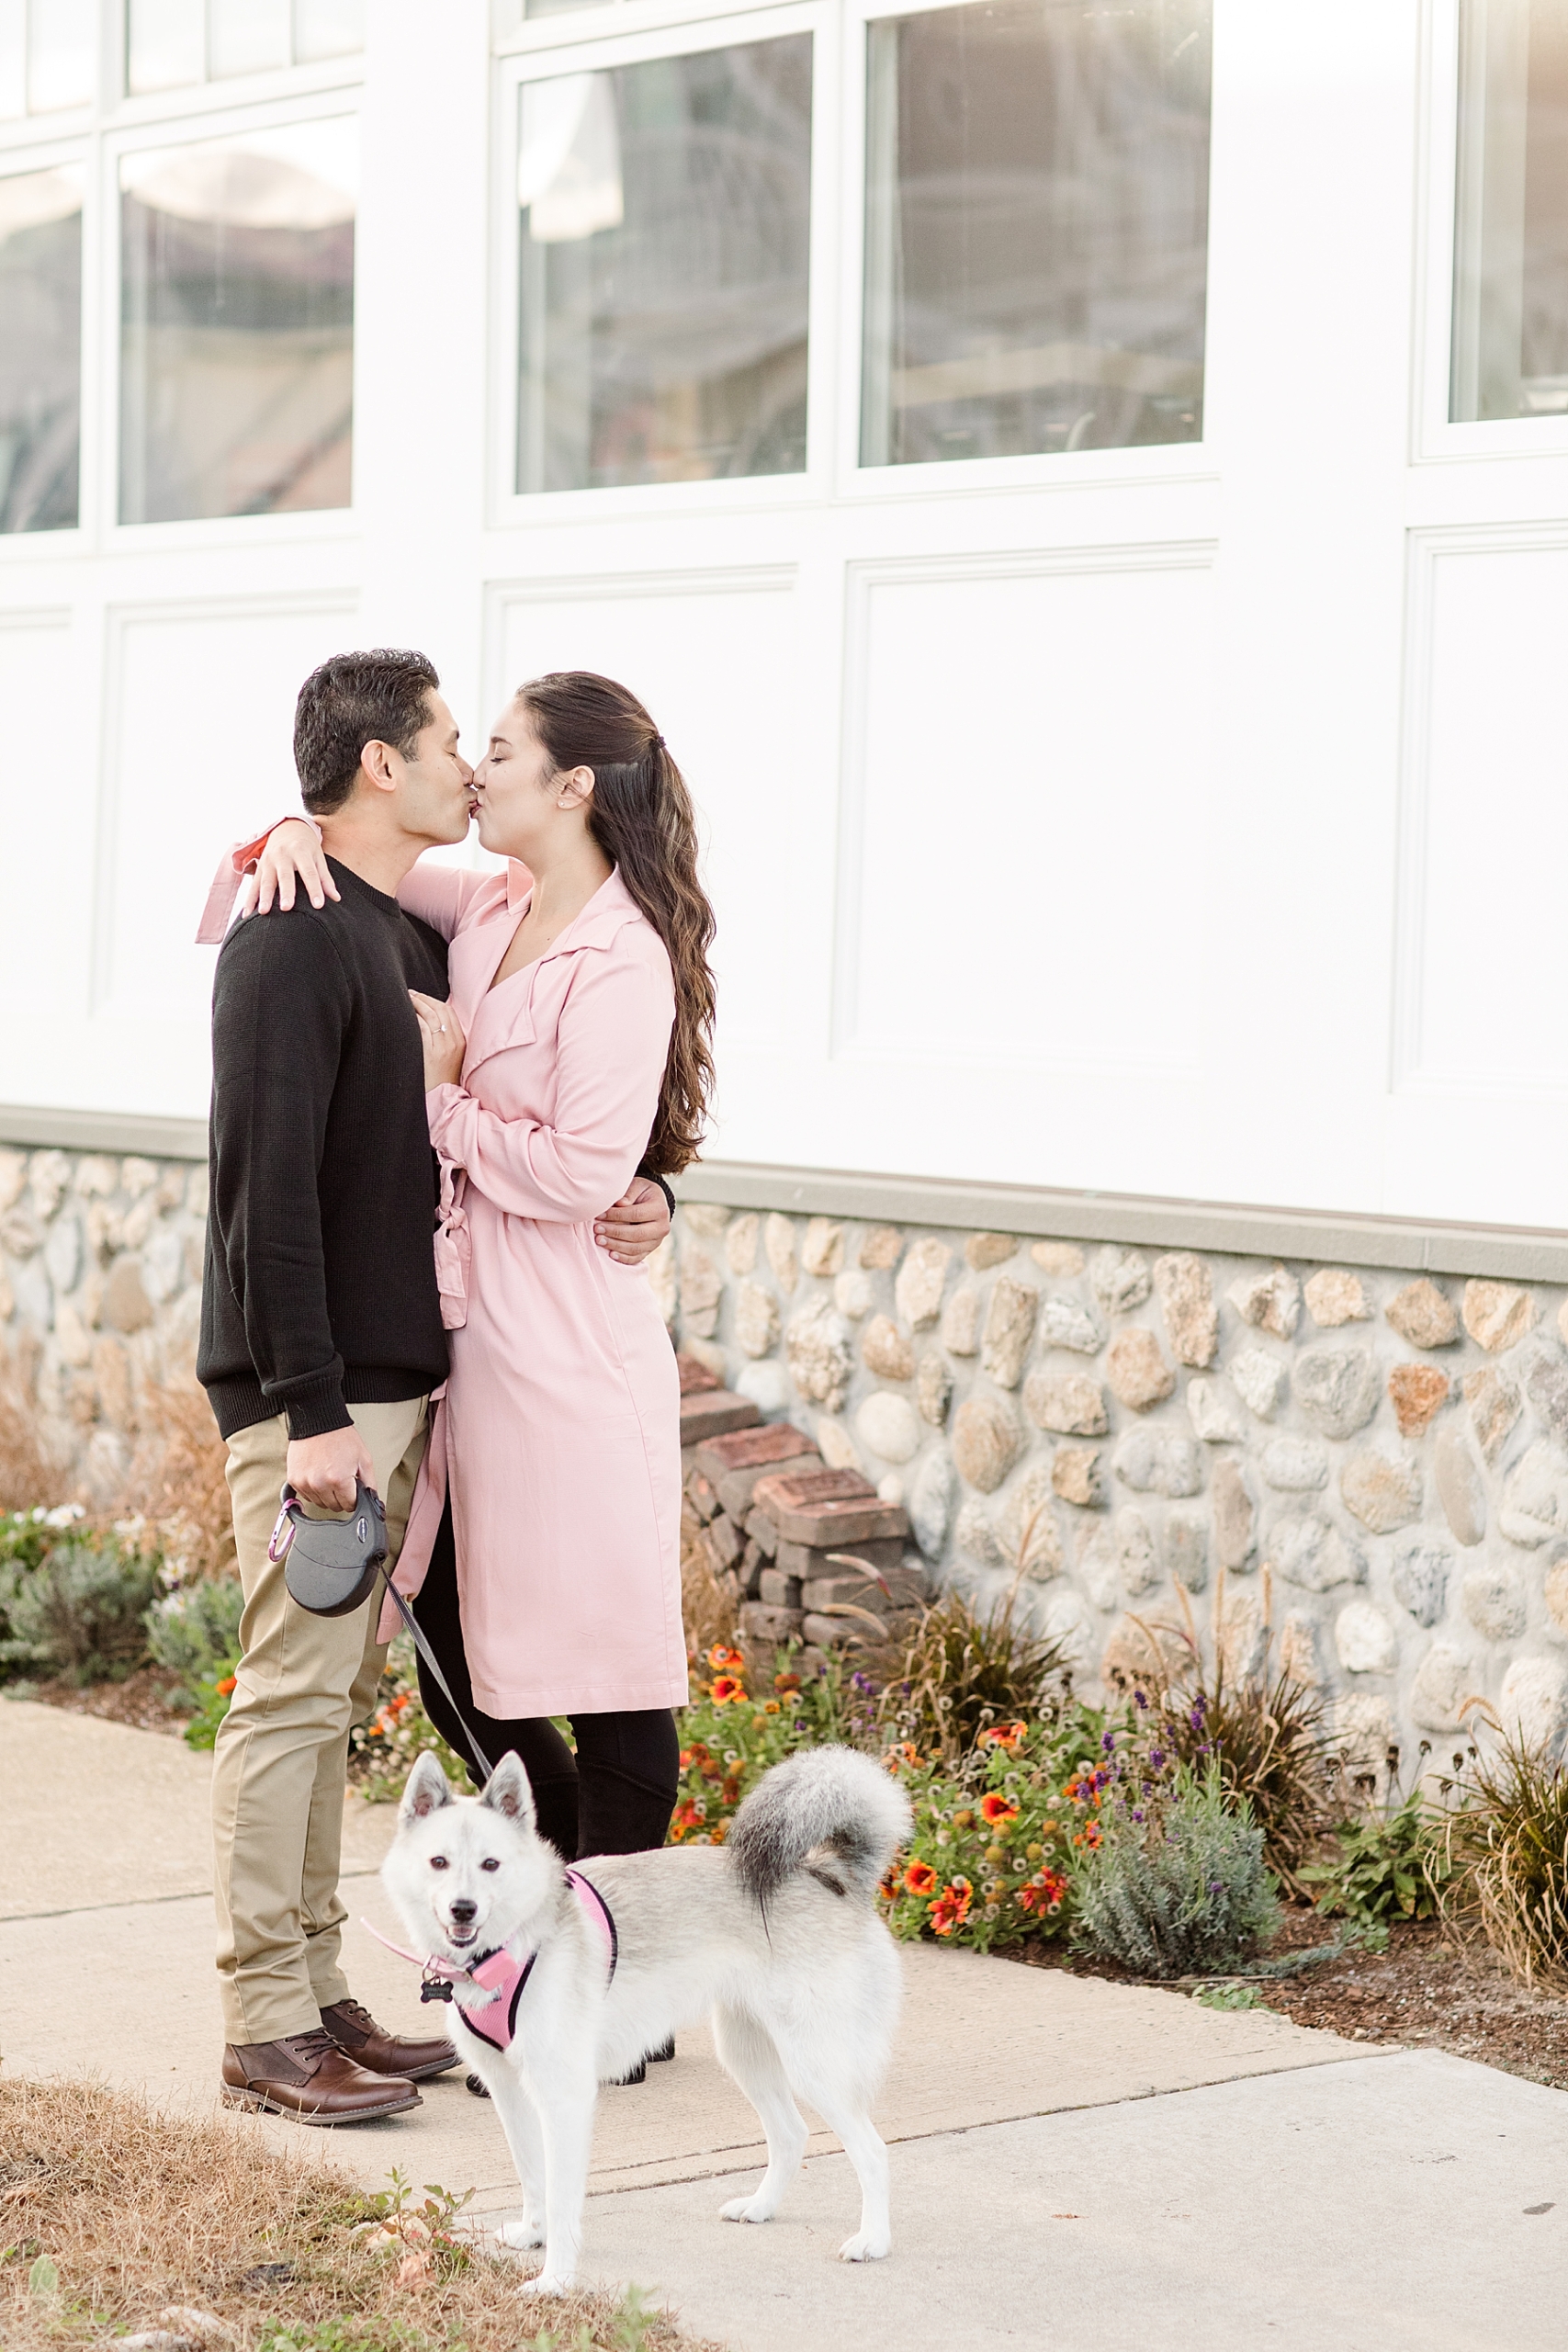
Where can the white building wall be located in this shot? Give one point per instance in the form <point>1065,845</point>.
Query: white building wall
<point>1176,821</point>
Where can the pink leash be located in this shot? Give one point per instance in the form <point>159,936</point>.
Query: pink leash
<point>500,1976</point>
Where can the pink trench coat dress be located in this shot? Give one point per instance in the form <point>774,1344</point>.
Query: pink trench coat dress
<point>559,1429</point>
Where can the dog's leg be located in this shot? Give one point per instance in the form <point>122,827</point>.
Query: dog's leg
<point>843,2111</point>
<point>520,2123</point>
<point>746,2050</point>
<point>566,2101</point>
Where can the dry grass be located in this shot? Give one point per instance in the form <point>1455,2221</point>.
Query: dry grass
<point>138,2211</point>
<point>958,1671</point>
<point>28,1472</point>
<point>711,1614</point>
<point>1506,1842</point>
<point>176,1478</point>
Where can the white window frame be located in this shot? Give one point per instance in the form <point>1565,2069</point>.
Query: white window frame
<point>1435,438</point>
<point>1073,470</point>
<point>541,53</point>
<point>16,162</point>
<point>191,127</point>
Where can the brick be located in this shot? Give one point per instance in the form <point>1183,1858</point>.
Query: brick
<point>749,1576</point>
<point>760,1623</point>
<point>778,1591</point>
<point>885,1552</point>
<point>904,1590</point>
<point>767,1444</point>
<point>703,1497</point>
<point>709,1413</point>
<point>696,1380</point>
<point>828,1507</point>
<point>724,1542</point>
<point>736,1488</point>
<point>828,1632</point>
<point>764,1533</point>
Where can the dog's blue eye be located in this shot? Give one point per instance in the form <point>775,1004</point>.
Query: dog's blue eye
<point>439,1861</point>
<point>490,1865</point>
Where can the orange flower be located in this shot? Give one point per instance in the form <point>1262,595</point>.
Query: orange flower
<point>770,1706</point>
<point>951,1907</point>
<point>786,1682</point>
<point>1003,1735</point>
<point>919,1878</point>
<point>902,1754</point>
<point>996,1808</point>
<point>724,1660</point>
<point>227,1685</point>
<point>725,1689</point>
<point>730,1793</point>
<point>1045,1894</point>
<point>717,1835</point>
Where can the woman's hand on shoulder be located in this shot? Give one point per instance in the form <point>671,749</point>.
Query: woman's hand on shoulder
<point>441,1034</point>
<point>293,854</point>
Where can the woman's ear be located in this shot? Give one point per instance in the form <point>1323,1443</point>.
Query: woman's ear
<point>574,788</point>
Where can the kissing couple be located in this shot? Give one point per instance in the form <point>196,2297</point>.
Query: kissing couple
<point>443,1105</point>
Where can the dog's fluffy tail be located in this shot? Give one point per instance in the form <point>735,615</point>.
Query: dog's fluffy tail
<point>826,1804</point>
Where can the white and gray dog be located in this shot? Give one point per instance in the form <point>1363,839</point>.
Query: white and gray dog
<point>564,1980</point>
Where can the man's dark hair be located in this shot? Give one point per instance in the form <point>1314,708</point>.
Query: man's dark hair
<point>382,697</point>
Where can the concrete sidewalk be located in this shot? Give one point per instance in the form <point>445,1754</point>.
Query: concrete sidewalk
<point>1073,2160</point>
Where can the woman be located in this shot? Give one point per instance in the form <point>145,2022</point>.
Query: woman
<point>544,1541</point>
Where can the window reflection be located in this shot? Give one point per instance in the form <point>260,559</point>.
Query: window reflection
<point>666,221</point>
<point>172,43</point>
<point>1036,229</point>
<point>41,349</point>
<point>237,324</point>
<point>1510,325</point>
<point>48,55</point>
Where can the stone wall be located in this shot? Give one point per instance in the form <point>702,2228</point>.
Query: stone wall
<point>1366,1470</point>
<point>101,1302</point>
<point>1369,1468</point>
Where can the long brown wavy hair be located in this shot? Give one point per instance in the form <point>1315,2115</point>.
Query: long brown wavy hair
<point>642,819</point>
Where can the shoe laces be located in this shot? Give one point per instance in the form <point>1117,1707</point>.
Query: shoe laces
<point>317,2044</point>
<point>357,2013</point>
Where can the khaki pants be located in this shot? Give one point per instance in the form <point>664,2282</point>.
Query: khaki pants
<point>280,1769</point>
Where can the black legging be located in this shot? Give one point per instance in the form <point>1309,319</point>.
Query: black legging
<point>614,1797</point>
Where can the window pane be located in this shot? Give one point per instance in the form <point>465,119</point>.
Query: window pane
<point>247,35</point>
<point>62,53</point>
<point>666,216</point>
<point>327,29</point>
<point>1510,331</point>
<point>40,348</point>
<point>237,323</point>
<point>165,45</point>
<point>13,58</point>
<point>1037,196</point>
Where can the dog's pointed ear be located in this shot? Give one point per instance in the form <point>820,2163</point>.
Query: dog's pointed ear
<point>507,1791</point>
<point>428,1790</point>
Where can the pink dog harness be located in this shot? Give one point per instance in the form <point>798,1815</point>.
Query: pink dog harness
<point>488,1990</point>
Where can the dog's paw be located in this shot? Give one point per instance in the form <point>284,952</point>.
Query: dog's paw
<point>746,2209</point>
<point>865,2247</point>
<point>520,2235</point>
<point>549,2283</point>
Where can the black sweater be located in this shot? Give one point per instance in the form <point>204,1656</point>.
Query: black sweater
<point>319,1286</point>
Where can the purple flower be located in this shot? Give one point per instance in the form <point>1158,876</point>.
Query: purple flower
<point>1137,1813</point>
<point>1139,1700</point>
<point>1216,1886</point>
<point>1156,1759</point>
<point>1108,1741</point>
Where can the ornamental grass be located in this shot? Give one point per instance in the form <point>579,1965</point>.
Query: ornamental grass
<point>960,1670</point>
<point>1506,1851</point>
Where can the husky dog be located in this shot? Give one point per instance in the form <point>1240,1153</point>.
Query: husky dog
<point>563,1980</point>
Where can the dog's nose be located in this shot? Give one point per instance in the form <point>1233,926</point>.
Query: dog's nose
<point>463,1910</point>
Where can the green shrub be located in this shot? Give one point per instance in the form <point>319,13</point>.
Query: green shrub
<point>81,1611</point>
<point>1175,1885</point>
<point>194,1631</point>
<point>384,1751</point>
<point>1390,1866</point>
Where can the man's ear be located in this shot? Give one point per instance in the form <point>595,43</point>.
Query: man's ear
<point>428,1790</point>
<point>507,1791</point>
<point>381,765</point>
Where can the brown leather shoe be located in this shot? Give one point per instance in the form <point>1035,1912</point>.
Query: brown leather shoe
<point>306,2076</point>
<point>356,2033</point>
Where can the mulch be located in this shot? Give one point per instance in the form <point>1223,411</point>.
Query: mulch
<point>1427,1990</point>
<point>145,1700</point>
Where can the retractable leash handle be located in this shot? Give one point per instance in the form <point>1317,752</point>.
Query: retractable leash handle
<point>332,1565</point>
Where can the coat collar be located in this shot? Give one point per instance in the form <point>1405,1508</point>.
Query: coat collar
<point>610,908</point>
<point>607,913</point>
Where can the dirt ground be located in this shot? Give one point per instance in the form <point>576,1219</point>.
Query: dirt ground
<point>143,1699</point>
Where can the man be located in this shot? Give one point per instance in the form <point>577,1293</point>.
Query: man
<point>322,1339</point>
